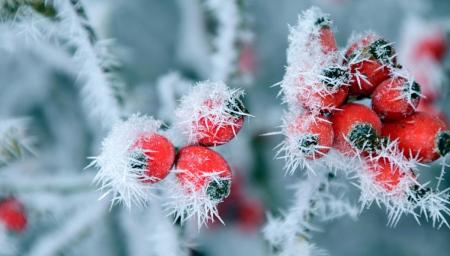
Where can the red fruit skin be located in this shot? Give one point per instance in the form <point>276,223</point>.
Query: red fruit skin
<point>430,108</point>
<point>416,135</point>
<point>327,40</point>
<point>390,102</point>
<point>387,175</point>
<point>344,121</point>
<point>373,72</point>
<point>12,215</point>
<point>324,102</point>
<point>434,47</point>
<point>320,127</point>
<point>211,134</point>
<point>160,153</point>
<point>362,42</point>
<point>197,161</point>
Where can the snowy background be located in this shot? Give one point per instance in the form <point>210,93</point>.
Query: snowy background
<point>152,39</point>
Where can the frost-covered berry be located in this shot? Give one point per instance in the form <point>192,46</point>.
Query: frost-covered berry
<point>386,174</point>
<point>13,215</point>
<point>211,114</point>
<point>370,59</point>
<point>153,155</point>
<point>134,156</point>
<point>329,92</point>
<point>203,180</point>
<point>356,128</point>
<point>421,136</point>
<point>433,46</point>
<point>326,36</point>
<point>396,98</point>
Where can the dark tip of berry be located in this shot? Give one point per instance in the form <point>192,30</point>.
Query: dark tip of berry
<point>218,189</point>
<point>138,160</point>
<point>418,193</point>
<point>308,143</point>
<point>413,90</point>
<point>335,76</point>
<point>364,137</point>
<point>382,50</point>
<point>323,22</point>
<point>443,143</point>
<point>235,107</point>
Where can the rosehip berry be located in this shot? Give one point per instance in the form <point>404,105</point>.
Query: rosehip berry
<point>12,215</point>
<point>371,59</point>
<point>153,156</point>
<point>422,135</point>
<point>326,36</point>
<point>334,81</point>
<point>396,98</point>
<point>197,164</point>
<point>434,47</point>
<point>315,135</point>
<point>387,174</point>
<point>355,127</point>
<point>213,133</point>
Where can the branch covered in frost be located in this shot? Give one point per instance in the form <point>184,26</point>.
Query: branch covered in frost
<point>14,142</point>
<point>57,241</point>
<point>317,196</point>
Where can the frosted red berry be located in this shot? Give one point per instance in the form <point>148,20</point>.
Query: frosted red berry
<point>355,126</point>
<point>434,46</point>
<point>214,131</point>
<point>422,135</point>
<point>371,59</point>
<point>196,164</point>
<point>153,155</point>
<point>13,215</point>
<point>315,135</point>
<point>326,36</point>
<point>386,174</point>
<point>396,98</point>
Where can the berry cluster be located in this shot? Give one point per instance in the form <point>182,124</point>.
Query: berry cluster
<point>138,156</point>
<point>356,109</point>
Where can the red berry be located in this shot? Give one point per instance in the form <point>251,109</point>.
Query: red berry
<point>197,164</point>
<point>355,127</point>
<point>214,134</point>
<point>396,98</point>
<point>326,36</point>
<point>12,215</point>
<point>154,155</point>
<point>315,135</point>
<point>434,47</point>
<point>387,174</point>
<point>420,134</point>
<point>330,93</point>
<point>211,132</point>
<point>370,58</point>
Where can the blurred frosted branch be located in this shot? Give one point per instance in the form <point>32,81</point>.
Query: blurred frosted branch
<point>14,142</point>
<point>55,242</point>
<point>63,183</point>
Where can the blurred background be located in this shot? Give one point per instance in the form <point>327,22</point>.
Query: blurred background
<point>159,46</point>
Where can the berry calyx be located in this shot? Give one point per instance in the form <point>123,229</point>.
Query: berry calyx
<point>312,135</point>
<point>12,215</point>
<point>152,156</point>
<point>420,135</point>
<point>202,168</point>
<point>396,98</point>
<point>356,127</point>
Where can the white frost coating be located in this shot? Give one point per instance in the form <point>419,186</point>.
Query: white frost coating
<point>14,142</point>
<point>186,200</point>
<point>313,197</point>
<point>97,90</point>
<point>225,52</point>
<point>306,64</point>
<point>82,221</point>
<point>212,101</point>
<point>115,174</point>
